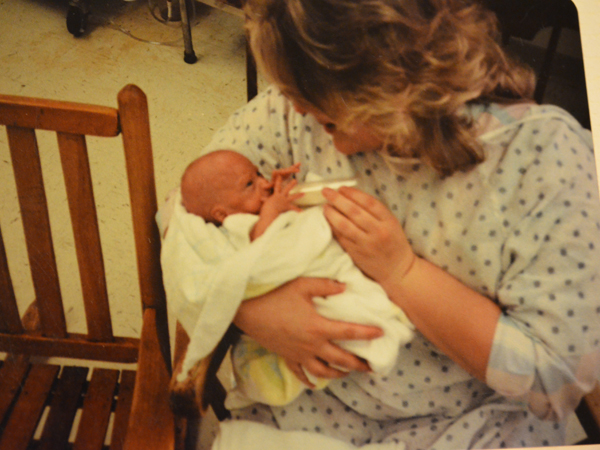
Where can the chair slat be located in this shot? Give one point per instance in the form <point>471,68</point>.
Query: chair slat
<point>36,223</point>
<point>122,410</point>
<point>121,349</point>
<point>60,116</point>
<point>12,373</point>
<point>96,410</point>
<point>63,407</point>
<point>78,181</point>
<point>28,409</point>
<point>10,322</point>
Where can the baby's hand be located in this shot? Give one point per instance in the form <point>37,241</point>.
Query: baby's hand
<point>278,202</point>
<point>286,173</point>
<point>281,200</point>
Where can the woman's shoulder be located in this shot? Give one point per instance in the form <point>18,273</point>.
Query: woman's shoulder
<point>494,119</point>
<point>525,142</point>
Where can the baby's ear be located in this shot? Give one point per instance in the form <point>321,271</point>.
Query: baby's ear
<point>218,214</point>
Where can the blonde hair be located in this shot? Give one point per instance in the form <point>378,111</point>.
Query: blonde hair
<point>405,68</point>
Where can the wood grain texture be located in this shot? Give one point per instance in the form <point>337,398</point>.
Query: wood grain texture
<point>60,116</point>
<point>36,224</point>
<point>10,321</point>
<point>122,410</point>
<point>80,195</point>
<point>151,424</point>
<point>65,401</point>
<point>28,409</point>
<point>97,406</point>
<point>12,376</point>
<point>73,345</point>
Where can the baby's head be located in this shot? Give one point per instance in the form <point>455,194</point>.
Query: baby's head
<point>222,183</point>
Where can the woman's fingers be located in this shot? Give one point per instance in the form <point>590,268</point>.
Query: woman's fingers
<point>289,311</point>
<point>346,216</point>
<point>369,232</point>
<point>320,369</point>
<point>354,203</point>
<point>299,372</point>
<point>342,227</point>
<point>344,331</point>
<point>317,287</point>
<point>317,368</point>
<point>355,216</point>
<point>341,362</point>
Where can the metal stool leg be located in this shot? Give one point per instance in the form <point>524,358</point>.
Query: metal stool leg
<point>189,56</point>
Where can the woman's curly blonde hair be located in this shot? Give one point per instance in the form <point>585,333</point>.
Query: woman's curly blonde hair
<point>405,68</point>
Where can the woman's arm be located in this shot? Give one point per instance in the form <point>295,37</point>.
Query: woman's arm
<point>458,320</point>
<point>285,321</point>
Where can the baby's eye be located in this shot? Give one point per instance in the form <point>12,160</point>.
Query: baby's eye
<point>249,183</point>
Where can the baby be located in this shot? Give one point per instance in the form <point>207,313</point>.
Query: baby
<point>226,190</point>
<point>224,182</point>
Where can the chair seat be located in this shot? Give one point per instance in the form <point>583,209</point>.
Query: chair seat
<point>60,402</point>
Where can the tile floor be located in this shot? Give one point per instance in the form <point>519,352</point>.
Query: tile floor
<point>125,43</point>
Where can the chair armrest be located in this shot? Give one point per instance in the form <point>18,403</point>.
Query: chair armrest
<point>151,421</point>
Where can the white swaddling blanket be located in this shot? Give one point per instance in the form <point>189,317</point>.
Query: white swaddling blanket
<point>220,267</point>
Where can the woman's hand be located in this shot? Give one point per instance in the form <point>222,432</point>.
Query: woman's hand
<point>431,298</point>
<point>286,322</point>
<point>370,234</point>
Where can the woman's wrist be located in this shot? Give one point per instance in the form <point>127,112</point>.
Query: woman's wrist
<point>395,277</point>
<point>454,317</point>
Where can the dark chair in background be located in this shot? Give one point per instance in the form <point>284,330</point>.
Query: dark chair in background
<point>524,19</point>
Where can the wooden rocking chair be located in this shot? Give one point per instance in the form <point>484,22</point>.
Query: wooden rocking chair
<point>135,403</point>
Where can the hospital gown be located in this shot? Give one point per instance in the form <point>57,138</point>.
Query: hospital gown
<point>521,228</point>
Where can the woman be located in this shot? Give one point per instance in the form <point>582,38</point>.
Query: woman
<point>477,213</point>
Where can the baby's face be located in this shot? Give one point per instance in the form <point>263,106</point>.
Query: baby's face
<point>247,189</point>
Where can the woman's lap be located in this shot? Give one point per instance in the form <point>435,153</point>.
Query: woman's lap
<point>492,425</point>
